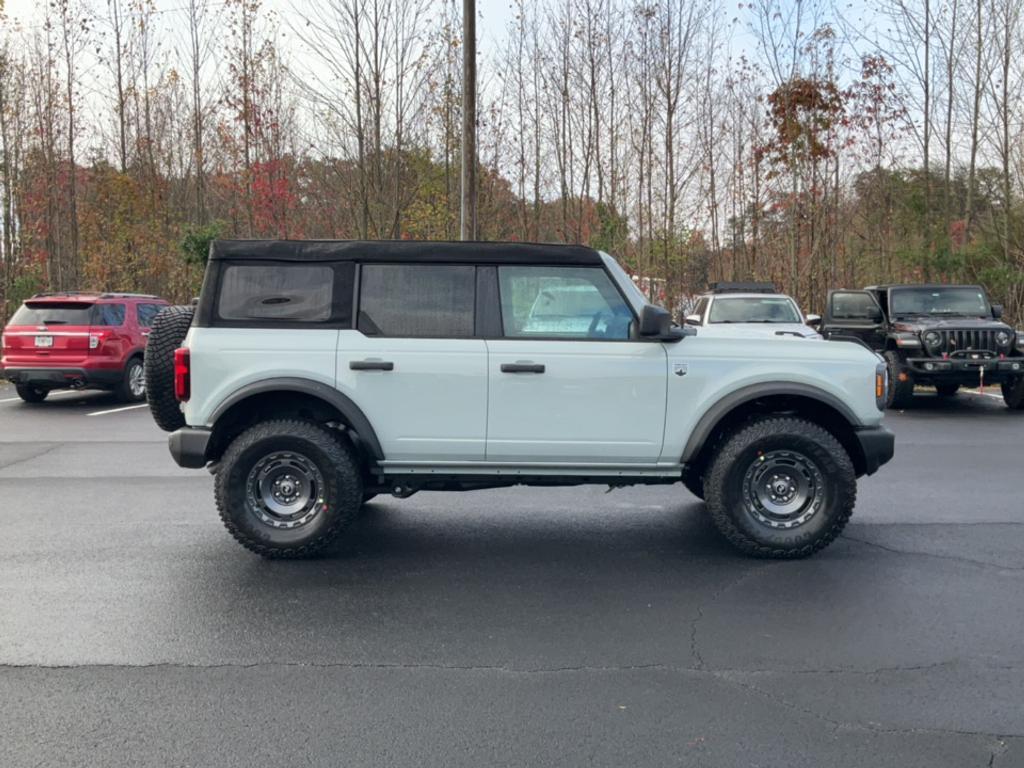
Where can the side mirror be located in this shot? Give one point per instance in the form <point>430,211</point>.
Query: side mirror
<point>692,320</point>
<point>997,311</point>
<point>656,323</point>
<point>814,320</point>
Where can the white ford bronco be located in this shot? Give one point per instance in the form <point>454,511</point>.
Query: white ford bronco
<point>312,375</point>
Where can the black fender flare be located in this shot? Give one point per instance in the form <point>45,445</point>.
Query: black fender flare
<point>351,412</point>
<point>721,408</point>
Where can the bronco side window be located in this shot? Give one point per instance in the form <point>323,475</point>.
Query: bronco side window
<point>561,302</point>
<point>424,300</point>
<point>287,292</point>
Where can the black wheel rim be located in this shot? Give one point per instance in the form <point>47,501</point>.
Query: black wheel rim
<point>783,489</point>
<point>285,490</point>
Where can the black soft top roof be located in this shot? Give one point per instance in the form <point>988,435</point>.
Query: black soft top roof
<point>403,250</point>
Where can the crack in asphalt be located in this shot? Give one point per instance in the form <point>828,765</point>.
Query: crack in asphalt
<point>699,616</point>
<point>726,676</point>
<point>936,555</point>
<point>48,449</point>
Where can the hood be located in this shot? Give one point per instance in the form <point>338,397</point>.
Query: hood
<point>934,323</point>
<point>759,330</point>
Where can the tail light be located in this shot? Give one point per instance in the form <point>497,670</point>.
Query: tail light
<point>97,338</point>
<point>182,374</point>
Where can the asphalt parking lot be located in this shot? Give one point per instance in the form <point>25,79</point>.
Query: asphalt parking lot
<point>508,627</point>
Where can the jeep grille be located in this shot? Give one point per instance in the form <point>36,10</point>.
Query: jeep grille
<point>962,341</point>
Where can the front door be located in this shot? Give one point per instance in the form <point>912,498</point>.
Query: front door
<point>568,383</point>
<point>854,314</point>
<point>412,363</point>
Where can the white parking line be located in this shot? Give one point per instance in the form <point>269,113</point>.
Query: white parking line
<point>984,394</point>
<point>117,410</point>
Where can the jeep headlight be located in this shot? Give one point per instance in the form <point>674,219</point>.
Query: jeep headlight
<point>907,340</point>
<point>933,339</point>
<point>1020,340</point>
<point>1003,338</point>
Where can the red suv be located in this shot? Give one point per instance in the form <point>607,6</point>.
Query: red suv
<point>78,340</point>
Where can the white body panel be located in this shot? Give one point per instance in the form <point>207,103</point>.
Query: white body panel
<point>760,330</point>
<point>717,366</point>
<point>433,405</point>
<point>595,401</point>
<point>226,359</point>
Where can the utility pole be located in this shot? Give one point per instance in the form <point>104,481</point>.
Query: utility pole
<point>467,228</point>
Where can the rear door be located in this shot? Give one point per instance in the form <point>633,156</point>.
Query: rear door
<point>567,381</point>
<point>413,363</point>
<point>854,314</point>
<point>48,333</point>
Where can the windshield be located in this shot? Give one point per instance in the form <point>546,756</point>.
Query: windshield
<point>53,313</point>
<point>767,309</point>
<point>939,301</point>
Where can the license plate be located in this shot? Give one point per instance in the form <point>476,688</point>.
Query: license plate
<point>44,341</point>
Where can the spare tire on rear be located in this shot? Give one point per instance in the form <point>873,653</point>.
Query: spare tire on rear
<point>166,335</point>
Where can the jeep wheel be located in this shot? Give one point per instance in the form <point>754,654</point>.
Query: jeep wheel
<point>166,334</point>
<point>780,487</point>
<point>1013,393</point>
<point>31,394</point>
<point>901,390</point>
<point>132,388</point>
<point>947,390</point>
<point>287,488</point>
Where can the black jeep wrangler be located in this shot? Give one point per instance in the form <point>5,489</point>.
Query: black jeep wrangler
<point>946,336</point>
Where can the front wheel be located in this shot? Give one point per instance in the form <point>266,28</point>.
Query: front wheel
<point>1013,393</point>
<point>780,487</point>
<point>287,488</point>
<point>31,394</point>
<point>901,381</point>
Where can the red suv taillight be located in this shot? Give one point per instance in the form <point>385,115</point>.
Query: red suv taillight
<point>182,374</point>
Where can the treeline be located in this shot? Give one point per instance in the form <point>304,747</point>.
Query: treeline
<point>781,141</point>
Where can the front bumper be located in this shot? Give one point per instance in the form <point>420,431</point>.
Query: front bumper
<point>188,446</point>
<point>59,378</point>
<point>877,444</point>
<point>965,369</point>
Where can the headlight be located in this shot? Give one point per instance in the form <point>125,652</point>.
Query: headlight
<point>907,340</point>
<point>1003,338</point>
<point>933,338</point>
<point>1020,340</point>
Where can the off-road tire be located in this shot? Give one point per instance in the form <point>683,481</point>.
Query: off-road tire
<point>738,454</point>
<point>900,392</point>
<point>31,394</point>
<point>947,390</point>
<point>166,335</point>
<point>124,389</point>
<point>341,495</point>
<point>1013,393</point>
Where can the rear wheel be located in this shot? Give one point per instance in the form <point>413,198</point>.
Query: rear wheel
<point>901,381</point>
<point>286,488</point>
<point>31,394</point>
<point>166,335</point>
<point>780,487</point>
<point>1013,393</point>
<point>947,390</point>
<point>132,388</point>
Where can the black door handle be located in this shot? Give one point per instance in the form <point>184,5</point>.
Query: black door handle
<point>522,368</point>
<point>371,365</point>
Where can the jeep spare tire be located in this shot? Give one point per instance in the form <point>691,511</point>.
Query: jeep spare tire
<point>166,335</point>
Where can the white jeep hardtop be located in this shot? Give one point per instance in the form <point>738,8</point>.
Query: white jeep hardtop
<point>314,375</point>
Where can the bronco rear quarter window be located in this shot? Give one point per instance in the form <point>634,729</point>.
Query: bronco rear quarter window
<point>269,294</point>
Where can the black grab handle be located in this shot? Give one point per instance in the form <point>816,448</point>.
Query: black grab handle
<point>371,365</point>
<point>522,368</point>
